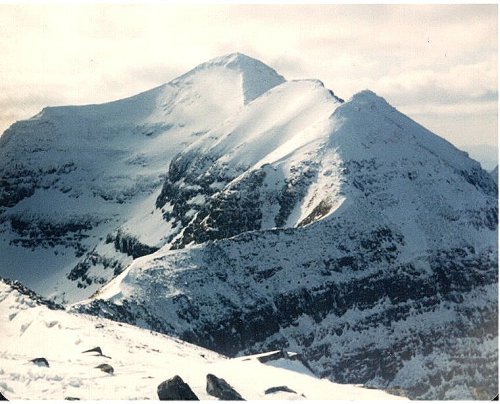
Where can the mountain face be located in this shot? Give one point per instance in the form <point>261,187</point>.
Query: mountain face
<point>245,213</point>
<point>77,182</point>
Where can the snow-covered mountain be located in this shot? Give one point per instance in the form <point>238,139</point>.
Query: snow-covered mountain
<point>73,176</point>
<point>387,261</point>
<point>245,214</point>
<point>140,360</point>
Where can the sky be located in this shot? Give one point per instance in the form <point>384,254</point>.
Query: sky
<point>435,63</point>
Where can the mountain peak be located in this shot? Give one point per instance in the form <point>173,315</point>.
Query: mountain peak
<point>368,97</point>
<point>234,58</point>
<point>257,77</point>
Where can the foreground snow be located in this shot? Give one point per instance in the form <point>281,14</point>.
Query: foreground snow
<point>141,360</point>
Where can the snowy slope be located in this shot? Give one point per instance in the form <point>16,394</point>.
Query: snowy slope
<point>141,361</point>
<point>395,256</point>
<point>70,176</point>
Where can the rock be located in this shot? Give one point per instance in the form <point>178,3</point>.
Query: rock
<point>106,368</point>
<point>131,246</point>
<point>98,350</point>
<point>221,389</point>
<point>282,354</point>
<point>276,389</point>
<point>41,362</point>
<point>175,389</point>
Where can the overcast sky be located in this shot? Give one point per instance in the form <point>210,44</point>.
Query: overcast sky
<point>436,63</point>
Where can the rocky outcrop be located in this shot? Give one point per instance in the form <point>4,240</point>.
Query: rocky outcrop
<point>221,389</point>
<point>175,389</point>
<point>42,362</point>
<point>282,354</point>
<point>96,350</point>
<point>130,245</point>
<point>106,368</point>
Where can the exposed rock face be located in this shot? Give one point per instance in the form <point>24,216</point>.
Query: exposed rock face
<point>221,389</point>
<point>175,389</point>
<point>494,174</point>
<point>130,245</point>
<point>235,181</point>
<point>364,327</point>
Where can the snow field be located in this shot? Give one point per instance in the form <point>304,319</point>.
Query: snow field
<point>141,360</point>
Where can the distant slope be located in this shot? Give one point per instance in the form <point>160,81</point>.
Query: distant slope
<point>141,361</point>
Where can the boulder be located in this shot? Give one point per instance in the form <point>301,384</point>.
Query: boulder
<point>98,351</point>
<point>175,389</point>
<point>221,389</point>
<point>41,362</point>
<point>276,389</point>
<point>106,368</point>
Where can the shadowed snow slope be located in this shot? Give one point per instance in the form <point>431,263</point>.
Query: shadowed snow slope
<point>141,360</point>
